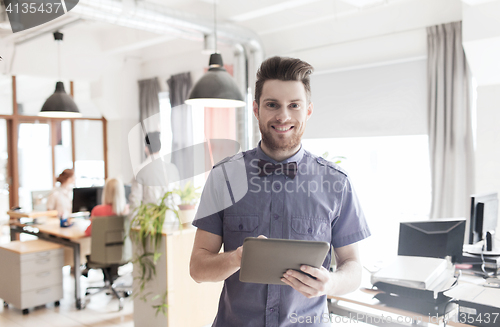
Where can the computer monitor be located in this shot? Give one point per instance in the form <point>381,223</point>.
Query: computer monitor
<point>432,238</point>
<point>483,218</point>
<point>86,198</point>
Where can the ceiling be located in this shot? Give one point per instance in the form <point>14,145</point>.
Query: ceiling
<point>281,27</point>
<point>262,17</point>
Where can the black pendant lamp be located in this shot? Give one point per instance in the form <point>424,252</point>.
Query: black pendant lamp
<point>59,104</point>
<point>216,89</point>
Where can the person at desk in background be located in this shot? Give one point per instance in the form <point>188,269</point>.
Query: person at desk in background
<point>292,194</point>
<point>113,202</point>
<point>61,197</point>
<point>154,177</point>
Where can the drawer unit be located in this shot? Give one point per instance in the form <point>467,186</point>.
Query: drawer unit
<point>31,273</point>
<point>41,279</point>
<point>34,265</point>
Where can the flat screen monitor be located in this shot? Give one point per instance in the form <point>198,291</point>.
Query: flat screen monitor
<point>86,198</point>
<point>432,238</point>
<point>483,217</point>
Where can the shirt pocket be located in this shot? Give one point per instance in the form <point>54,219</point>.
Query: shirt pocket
<point>313,229</point>
<point>237,228</point>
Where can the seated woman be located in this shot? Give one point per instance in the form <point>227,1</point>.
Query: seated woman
<point>61,197</point>
<point>113,202</point>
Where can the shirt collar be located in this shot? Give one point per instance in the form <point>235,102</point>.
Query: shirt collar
<point>295,158</point>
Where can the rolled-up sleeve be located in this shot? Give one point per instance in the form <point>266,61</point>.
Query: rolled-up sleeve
<point>210,211</point>
<point>350,224</point>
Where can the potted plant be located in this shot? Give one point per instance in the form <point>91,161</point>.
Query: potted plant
<point>335,159</point>
<point>188,197</point>
<point>146,234</point>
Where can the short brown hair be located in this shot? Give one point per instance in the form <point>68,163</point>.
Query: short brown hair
<point>283,69</point>
<point>65,175</point>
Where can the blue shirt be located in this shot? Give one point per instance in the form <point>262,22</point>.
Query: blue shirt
<point>318,204</point>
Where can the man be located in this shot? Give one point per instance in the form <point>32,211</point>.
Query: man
<point>292,194</point>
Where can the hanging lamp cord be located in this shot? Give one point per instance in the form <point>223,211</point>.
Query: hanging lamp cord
<point>58,60</point>
<point>215,24</point>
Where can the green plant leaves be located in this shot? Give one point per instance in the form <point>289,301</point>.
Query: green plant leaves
<point>188,193</point>
<point>146,231</point>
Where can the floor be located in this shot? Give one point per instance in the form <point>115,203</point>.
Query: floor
<point>101,309</point>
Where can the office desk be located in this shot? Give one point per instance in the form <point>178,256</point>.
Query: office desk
<point>33,214</point>
<point>361,307</point>
<point>50,230</point>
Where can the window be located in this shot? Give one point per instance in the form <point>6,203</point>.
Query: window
<point>35,161</point>
<point>63,150</point>
<point>165,119</point>
<point>391,176</point>
<point>89,163</point>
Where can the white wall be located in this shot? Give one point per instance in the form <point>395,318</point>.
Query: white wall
<point>481,40</point>
<point>117,96</point>
<point>370,35</point>
<point>382,48</point>
<point>488,140</point>
<point>376,101</point>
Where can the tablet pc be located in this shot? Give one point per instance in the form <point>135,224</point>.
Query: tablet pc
<point>265,260</point>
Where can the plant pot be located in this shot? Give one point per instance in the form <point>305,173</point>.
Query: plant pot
<point>186,214</point>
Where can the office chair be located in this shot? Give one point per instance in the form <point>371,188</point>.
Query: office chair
<point>108,252</point>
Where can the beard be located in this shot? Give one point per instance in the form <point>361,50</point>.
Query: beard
<point>281,142</point>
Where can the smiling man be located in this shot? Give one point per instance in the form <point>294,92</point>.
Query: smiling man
<point>292,195</point>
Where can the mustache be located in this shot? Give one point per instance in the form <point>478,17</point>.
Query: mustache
<point>280,123</point>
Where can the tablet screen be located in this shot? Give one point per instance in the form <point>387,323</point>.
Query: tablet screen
<point>265,260</point>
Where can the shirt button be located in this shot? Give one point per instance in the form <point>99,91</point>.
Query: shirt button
<point>272,310</point>
<point>310,230</point>
<point>276,187</point>
<point>240,226</point>
<point>276,216</point>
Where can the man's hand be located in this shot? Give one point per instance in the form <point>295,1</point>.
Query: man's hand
<point>345,279</point>
<point>310,287</point>
<point>236,256</point>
